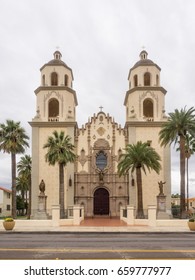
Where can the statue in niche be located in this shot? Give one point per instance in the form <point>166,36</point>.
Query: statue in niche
<point>101,173</point>
<point>160,184</point>
<point>42,187</point>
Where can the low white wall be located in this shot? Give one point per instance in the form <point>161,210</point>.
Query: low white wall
<point>171,223</point>
<point>141,222</point>
<point>37,225</point>
<point>41,225</point>
<point>30,224</point>
<point>66,222</point>
<point>151,221</point>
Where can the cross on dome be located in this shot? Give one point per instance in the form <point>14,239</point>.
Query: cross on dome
<point>101,107</point>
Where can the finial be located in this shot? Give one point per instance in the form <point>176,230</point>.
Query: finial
<point>57,54</point>
<point>143,54</point>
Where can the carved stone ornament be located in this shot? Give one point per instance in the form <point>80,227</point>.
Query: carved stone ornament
<point>82,157</point>
<point>101,131</point>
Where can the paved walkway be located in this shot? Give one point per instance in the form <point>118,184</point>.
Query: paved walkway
<point>100,225</point>
<point>103,222</point>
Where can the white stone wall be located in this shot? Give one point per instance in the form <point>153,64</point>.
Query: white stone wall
<point>50,174</point>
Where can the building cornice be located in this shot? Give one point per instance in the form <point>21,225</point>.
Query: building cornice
<point>144,123</point>
<point>53,124</point>
<point>57,88</point>
<point>146,88</point>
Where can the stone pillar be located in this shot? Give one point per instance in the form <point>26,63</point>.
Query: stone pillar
<point>130,215</point>
<point>161,207</point>
<point>42,202</point>
<point>152,215</point>
<point>76,215</point>
<point>161,203</point>
<point>82,212</point>
<point>121,212</point>
<point>55,215</point>
<point>41,214</point>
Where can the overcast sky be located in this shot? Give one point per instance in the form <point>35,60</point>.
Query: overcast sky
<point>100,40</point>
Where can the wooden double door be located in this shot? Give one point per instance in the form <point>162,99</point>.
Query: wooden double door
<point>101,202</point>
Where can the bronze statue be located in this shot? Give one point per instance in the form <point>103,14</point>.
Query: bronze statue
<point>42,187</point>
<point>160,184</point>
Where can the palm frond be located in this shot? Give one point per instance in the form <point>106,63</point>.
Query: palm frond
<point>60,149</point>
<point>139,155</point>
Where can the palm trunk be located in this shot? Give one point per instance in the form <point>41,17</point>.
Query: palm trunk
<point>187,183</point>
<point>61,190</point>
<point>26,202</point>
<point>140,212</point>
<point>182,178</point>
<point>13,162</point>
<point>29,201</point>
<point>23,201</point>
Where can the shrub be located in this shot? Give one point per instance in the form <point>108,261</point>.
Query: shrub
<point>9,219</point>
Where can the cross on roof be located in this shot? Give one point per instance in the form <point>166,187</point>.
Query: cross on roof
<point>101,108</point>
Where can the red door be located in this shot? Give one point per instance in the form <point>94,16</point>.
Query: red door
<point>101,202</point>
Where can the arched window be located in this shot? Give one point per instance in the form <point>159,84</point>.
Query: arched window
<point>148,108</point>
<point>147,79</point>
<point>53,110</point>
<point>66,80</point>
<point>54,79</point>
<point>101,160</point>
<point>135,81</point>
<point>43,80</point>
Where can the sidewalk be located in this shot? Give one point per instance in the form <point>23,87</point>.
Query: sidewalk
<point>99,225</point>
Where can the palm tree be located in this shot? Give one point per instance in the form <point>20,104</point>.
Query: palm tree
<point>13,140</point>
<point>189,150</point>
<point>22,187</point>
<point>139,157</point>
<point>60,151</point>
<point>24,174</point>
<point>174,130</point>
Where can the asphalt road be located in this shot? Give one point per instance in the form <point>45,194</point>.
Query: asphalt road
<point>97,246</point>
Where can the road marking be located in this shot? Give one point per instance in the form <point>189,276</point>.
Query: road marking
<point>98,250</point>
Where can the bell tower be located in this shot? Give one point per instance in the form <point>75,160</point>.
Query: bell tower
<point>145,114</point>
<point>56,99</point>
<point>56,103</point>
<point>145,99</point>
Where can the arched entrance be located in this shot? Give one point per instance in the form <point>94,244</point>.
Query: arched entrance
<point>101,202</point>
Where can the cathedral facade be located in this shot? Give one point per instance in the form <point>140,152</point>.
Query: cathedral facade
<point>92,180</point>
